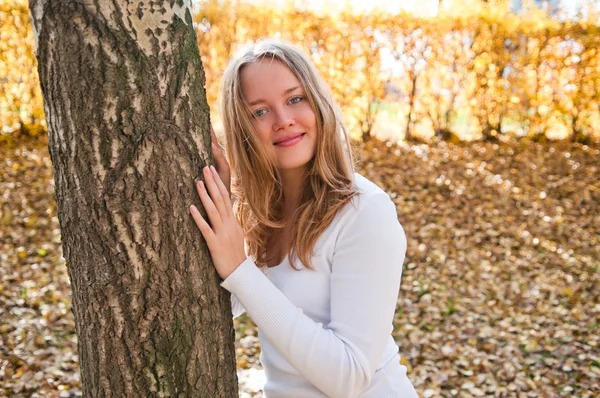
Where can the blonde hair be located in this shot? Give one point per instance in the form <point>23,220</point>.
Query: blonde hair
<point>255,180</point>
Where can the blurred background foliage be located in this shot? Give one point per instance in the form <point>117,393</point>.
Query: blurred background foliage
<point>21,107</point>
<point>469,70</point>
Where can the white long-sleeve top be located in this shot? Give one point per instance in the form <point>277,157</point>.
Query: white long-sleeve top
<point>327,331</point>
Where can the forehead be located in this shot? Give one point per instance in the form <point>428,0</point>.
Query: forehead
<point>265,78</point>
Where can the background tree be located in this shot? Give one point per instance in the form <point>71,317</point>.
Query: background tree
<point>485,71</point>
<point>581,63</point>
<point>445,80</point>
<point>367,75</point>
<point>492,47</point>
<point>413,49</point>
<point>128,132</point>
<point>20,97</point>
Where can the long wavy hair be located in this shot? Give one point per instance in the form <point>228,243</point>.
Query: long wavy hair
<point>256,182</point>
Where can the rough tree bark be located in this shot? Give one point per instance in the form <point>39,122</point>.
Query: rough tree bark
<point>128,130</point>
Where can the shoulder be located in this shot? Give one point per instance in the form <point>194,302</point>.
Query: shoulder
<point>366,188</point>
<point>370,198</point>
<point>370,205</point>
<point>369,223</point>
<point>370,214</point>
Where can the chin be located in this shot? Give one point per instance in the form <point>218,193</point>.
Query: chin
<point>292,166</point>
<point>296,162</point>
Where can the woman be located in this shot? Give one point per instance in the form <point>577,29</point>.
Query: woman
<point>320,272</point>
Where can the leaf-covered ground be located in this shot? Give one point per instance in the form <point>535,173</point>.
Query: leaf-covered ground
<point>500,293</point>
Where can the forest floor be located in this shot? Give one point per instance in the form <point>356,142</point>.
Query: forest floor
<point>500,293</point>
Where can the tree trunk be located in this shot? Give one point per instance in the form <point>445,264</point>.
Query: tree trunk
<point>408,134</point>
<point>128,130</point>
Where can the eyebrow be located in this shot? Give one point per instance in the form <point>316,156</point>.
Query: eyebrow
<point>286,92</point>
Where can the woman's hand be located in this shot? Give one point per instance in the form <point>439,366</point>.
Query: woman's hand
<point>224,236</point>
<point>220,162</point>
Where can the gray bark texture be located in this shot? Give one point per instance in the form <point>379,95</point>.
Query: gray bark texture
<point>128,130</point>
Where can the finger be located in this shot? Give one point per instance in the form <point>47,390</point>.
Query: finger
<point>223,190</point>
<point>223,171</point>
<point>211,184</point>
<point>202,225</point>
<point>215,141</point>
<point>211,210</point>
<point>220,159</point>
<point>220,184</point>
<point>220,162</point>
<point>219,156</point>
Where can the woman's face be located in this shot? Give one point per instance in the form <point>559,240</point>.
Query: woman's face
<point>283,118</point>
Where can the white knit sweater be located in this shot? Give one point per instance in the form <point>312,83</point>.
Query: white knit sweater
<point>327,331</point>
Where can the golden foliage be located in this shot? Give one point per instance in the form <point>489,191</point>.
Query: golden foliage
<point>474,74</point>
<point>474,71</point>
<point>20,95</point>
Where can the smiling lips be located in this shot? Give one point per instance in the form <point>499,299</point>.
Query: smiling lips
<point>290,140</point>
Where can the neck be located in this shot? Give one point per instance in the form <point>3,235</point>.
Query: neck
<point>292,181</point>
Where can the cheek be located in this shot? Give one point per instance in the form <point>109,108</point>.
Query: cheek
<point>308,115</point>
<point>262,129</point>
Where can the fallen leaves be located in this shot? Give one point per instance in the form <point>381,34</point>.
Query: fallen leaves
<point>500,290</point>
<point>499,296</point>
<point>38,354</point>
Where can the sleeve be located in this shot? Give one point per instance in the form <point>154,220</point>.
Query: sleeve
<point>236,307</point>
<point>340,358</point>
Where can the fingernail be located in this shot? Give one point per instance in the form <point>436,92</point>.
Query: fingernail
<point>213,169</point>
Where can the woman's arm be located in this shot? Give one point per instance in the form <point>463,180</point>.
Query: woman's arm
<point>237,308</point>
<point>339,358</point>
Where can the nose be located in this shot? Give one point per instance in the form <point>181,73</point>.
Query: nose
<point>283,120</point>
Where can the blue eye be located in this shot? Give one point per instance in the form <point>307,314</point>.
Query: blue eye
<point>295,100</point>
<point>259,112</point>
